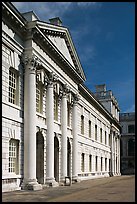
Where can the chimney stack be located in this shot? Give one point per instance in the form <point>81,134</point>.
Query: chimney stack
<point>56,21</point>
<point>100,88</point>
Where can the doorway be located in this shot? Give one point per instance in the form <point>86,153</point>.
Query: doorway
<point>56,159</point>
<point>40,157</point>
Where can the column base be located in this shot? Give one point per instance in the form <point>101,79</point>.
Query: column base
<point>31,185</point>
<point>66,181</point>
<point>75,179</point>
<point>51,182</point>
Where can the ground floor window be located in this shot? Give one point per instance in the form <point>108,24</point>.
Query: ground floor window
<point>82,162</point>
<point>13,156</point>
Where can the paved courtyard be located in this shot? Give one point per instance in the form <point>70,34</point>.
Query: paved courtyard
<point>111,189</point>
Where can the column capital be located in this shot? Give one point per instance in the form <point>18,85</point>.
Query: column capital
<point>63,91</point>
<point>76,98</point>
<point>31,61</point>
<point>50,79</point>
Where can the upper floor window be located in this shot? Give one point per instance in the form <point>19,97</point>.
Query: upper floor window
<point>14,156</point>
<point>100,134</point>
<point>109,140</point>
<point>89,128</point>
<point>131,129</point>
<point>13,86</point>
<point>68,114</point>
<point>95,132</point>
<point>82,124</point>
<point>105,137</point>
<point>39,97</point>
<point>56,106</point>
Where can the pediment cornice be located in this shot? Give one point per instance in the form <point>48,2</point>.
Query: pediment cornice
<point>11,16</point>
<point>63,32</point>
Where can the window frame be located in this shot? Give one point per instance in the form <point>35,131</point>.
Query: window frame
<point>16,99</point>
<point>13,156</point>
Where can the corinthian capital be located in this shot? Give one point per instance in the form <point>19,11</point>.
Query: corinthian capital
<point>50,79</point>
<point>31,61</point>
<point>76,98</point>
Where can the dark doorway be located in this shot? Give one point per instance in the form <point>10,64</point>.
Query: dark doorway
<point>68,158</point>
<point>40,157</point>
<point>56,159</point>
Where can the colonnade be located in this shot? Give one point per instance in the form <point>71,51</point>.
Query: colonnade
<point>115,154</point>
<point>30,182</point>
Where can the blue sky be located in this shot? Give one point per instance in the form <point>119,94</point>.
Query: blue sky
<point>104,36</point>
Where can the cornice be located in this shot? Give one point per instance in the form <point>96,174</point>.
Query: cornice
<point>55,54</point>
<point>13,19</point>
<point>92,100</point>
<point>49,29</point>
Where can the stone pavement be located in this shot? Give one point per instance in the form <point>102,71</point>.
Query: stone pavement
<point>110,189</point>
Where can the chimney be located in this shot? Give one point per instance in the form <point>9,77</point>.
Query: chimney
<point>100,88</point>
<point>56,21</point>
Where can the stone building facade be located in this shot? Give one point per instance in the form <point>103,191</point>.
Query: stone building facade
<point>127,143</point>
<point>53,127</point>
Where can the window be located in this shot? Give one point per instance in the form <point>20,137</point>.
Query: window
<point>13,86</point>
<point>105,137</point>
<point>95,132</point>
<point>109,165</point>
<point>68,114</point>
<point>96,163</point>
<point>39,97</point>
<point>105,164</point>
<point>101,163</point>
<point>82,124</point>
<point>131,129</point>
<point>82,162</point>
<point>90,162</point>
<point>89,128</point>
<point>100,134</point>
<point>13,155</point>
<point>109,140</point>
<point>55,106</point>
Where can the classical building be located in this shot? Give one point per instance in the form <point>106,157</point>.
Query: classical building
<point>53,126</point>
<point>127,143</point>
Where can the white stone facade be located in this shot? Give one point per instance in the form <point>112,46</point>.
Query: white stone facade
<point>49,117</point>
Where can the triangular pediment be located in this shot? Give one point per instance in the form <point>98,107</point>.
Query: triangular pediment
<point>60,43</point>
<point>61,39</point>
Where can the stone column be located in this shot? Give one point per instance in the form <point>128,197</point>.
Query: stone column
<point>75,140</point>
<point>30,181</point>
<point>112,153</point>
<point>119,156</point>
<point>64,136</point>
<point>50,180</point>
